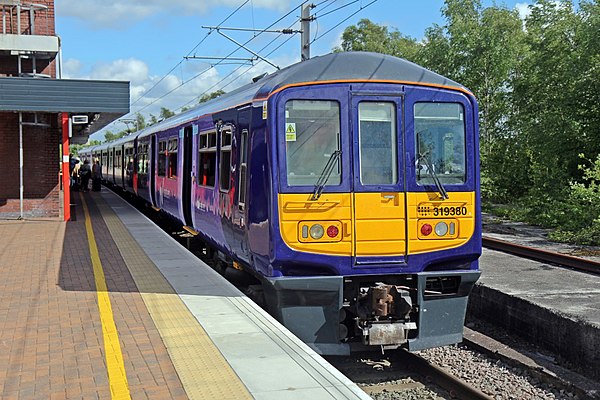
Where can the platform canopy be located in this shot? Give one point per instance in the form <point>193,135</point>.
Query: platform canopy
<point>93,104</point>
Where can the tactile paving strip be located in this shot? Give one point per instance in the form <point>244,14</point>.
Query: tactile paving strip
<point>204,372</point>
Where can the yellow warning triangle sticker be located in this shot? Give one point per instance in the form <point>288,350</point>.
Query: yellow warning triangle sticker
<point>290,128</point>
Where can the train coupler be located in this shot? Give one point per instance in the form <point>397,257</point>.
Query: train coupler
<point>386,333</point>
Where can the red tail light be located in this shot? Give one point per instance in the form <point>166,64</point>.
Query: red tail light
<point>332,231</point>
<point>426,229</point>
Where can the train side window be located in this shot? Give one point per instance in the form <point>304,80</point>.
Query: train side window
<point>377,143</point>
<point>225,166</point>
<point>207,158</point>
<point>162,158</point>
<point>118,159</point>
<point>243,166</point>
<point>172,157</point>
<point>440,142</point>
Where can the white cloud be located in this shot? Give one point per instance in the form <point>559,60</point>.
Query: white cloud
<point>523,9</point>
<point>71,68</point>
<point>122,13</point>
<point>149,93</point>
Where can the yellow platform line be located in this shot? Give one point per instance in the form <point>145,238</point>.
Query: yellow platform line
<point>117,378</point>
<point>202,369</point>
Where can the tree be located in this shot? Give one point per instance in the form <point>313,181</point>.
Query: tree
<point>546,100</point>
<point>109,136</point>
<point>368,36</point>
<point>481,48</point>
<point>165,113</point>
<point>140,121</point>
<point>206,97</point>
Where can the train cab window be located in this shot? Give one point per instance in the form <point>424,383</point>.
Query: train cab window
<point>162,158</point>
<point>312,139</point>
<point>440,142</point>
<point>225,166</point>
<point>207,158</point>
<point>377,143</point>
<point>172,158</point>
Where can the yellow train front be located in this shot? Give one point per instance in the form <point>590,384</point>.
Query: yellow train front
<point>371,208</point>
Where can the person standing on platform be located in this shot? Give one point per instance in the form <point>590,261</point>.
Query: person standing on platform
<point>96,175</point>
<point>75,174</point>
<point>85,173</point>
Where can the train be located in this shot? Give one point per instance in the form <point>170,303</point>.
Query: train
<point>346,185</point>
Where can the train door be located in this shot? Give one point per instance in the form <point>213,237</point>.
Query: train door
<point>153,154</point>
<point>186,174</point>
<point>378,179</point>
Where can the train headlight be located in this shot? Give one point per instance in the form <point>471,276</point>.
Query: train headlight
<point>317,231</point>
<point>441,228</point>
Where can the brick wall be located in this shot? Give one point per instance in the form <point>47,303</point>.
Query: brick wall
<point>41,151</point>
<point>43,22</point>
<point>43,25</point>
<point>41,155</point>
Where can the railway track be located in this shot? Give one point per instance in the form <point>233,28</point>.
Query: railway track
<point>579,264</point>
<point>400,374</point>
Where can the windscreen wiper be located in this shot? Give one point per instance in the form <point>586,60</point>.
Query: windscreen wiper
<point>325,174</point>
<point>434,176</point>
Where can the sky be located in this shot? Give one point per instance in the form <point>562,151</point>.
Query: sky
<point>145,42</point>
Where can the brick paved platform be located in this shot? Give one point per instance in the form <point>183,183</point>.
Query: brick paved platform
<point>86,311</point>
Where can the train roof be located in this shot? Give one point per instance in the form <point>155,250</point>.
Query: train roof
<point>353,66</point>
<point>344,66</point>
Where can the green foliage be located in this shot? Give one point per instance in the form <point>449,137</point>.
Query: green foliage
<point>140,121</point>
<point>580,212</point>
<point>109,136</point>
<point>210,96</point>
<point>368,36</point>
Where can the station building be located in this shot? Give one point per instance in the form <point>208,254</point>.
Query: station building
<point>42,114</point>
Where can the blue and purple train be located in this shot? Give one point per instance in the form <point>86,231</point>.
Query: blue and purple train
<point>347,185</point>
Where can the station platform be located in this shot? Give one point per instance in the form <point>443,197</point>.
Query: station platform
<point>109,306</point>
<point>554,306</point>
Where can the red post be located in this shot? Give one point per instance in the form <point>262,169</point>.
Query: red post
<point>65,166</point>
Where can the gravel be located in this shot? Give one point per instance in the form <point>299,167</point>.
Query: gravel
<point>493,377</point>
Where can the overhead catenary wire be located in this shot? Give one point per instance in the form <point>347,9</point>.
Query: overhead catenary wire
<point>345,19</point>
<point>189,53</point>
<point>222,59</point>
<point>335,9</point>
<point>195,99</point>
<point>275,49</point>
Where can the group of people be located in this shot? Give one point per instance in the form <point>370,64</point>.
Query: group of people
<point>81,174</point>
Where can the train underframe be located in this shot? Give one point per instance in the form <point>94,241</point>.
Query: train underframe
<point>338,315</point>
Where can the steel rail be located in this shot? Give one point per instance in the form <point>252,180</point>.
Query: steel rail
<point>439,376</point>
<point>566,260</point>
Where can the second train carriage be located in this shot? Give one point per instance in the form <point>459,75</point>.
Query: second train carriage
<point>347,184</point>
